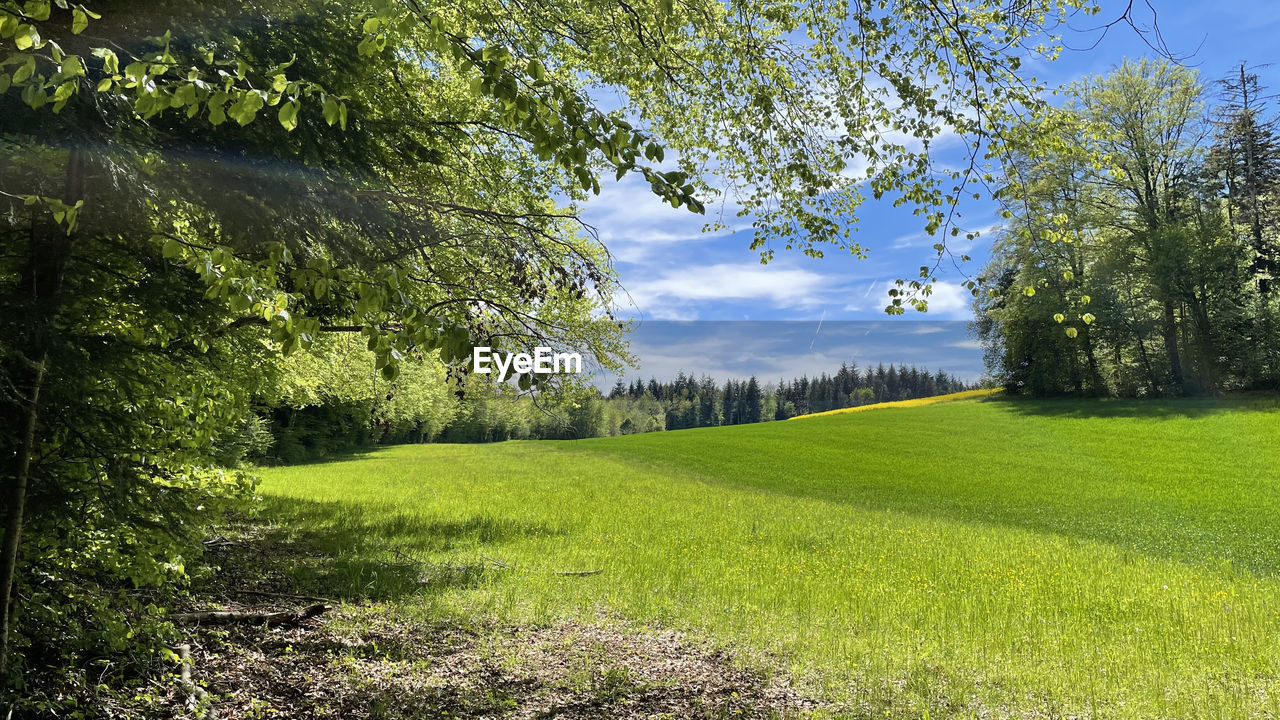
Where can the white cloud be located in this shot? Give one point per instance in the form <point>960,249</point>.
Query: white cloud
<point>635,224</point>
<point>912,240</point>
<point>667,312</point>
<point>959,244</point>
<point>782,287</point>
<point>641,246</point>
<point>925,330</point>
<point>949,301</point>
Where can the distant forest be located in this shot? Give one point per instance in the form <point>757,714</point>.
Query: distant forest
<point>336,414</point>
<point>686,402</point>
<point>494,414</point>
<point>699,402</point>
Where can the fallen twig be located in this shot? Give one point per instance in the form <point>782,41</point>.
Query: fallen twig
<point>499,563</point>
<point>264,593</point>
<point>406,556</point>
<point>577,573</point>
<point>231,617</point>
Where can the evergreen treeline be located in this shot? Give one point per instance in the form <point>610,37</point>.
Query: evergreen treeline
<point>1141,244</point>
<point>691,401</point>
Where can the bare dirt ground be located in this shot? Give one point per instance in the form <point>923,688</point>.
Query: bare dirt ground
<point>367,660</point>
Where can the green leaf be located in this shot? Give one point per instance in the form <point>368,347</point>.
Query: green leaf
<point>390,371</point>
<point>37,9</point>
<point>288,115</point>
<point>21,75</point>
<point>371,25</point>
<point>330,110</point>
<point>135,71</point>
<point>186,95</point>
<point>79,21</point>
<point>26,37</point>
<point>110,63</point>
<point>536,70</point>
<point>64,91</point>
<point>73,68</point>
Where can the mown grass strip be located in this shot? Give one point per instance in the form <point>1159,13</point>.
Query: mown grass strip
<point>917,402</point>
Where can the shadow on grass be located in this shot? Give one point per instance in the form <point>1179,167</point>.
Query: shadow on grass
<point>329,456</point>
<point>349,552</point>
<point>1192,407</point>
<point>1137,488</point>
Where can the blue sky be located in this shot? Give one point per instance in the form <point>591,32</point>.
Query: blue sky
<point>773,350</point>
<point>674,271</point>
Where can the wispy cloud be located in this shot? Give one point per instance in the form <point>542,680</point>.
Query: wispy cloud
<point>773,286</point>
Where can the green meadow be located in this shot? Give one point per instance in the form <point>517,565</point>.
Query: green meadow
<point>1115,559</point>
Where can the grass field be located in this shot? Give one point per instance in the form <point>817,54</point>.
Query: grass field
<point>968,559</point>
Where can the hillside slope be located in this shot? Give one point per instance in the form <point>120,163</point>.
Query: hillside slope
<point>1113,559</point>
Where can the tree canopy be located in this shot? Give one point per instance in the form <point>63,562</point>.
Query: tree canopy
<point>1145,228</point>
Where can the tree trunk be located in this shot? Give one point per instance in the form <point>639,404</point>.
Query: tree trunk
<point>15,502</point>
<point>1097,386</point>
<point>49,246</point>
<point>270,619</point>
<point>1262,259</point>
<point>1140,337</point>
<point>1169,330</point>
<point>1202,331</point>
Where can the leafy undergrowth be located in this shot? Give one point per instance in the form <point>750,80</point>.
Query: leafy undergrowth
<point>373,660</point>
